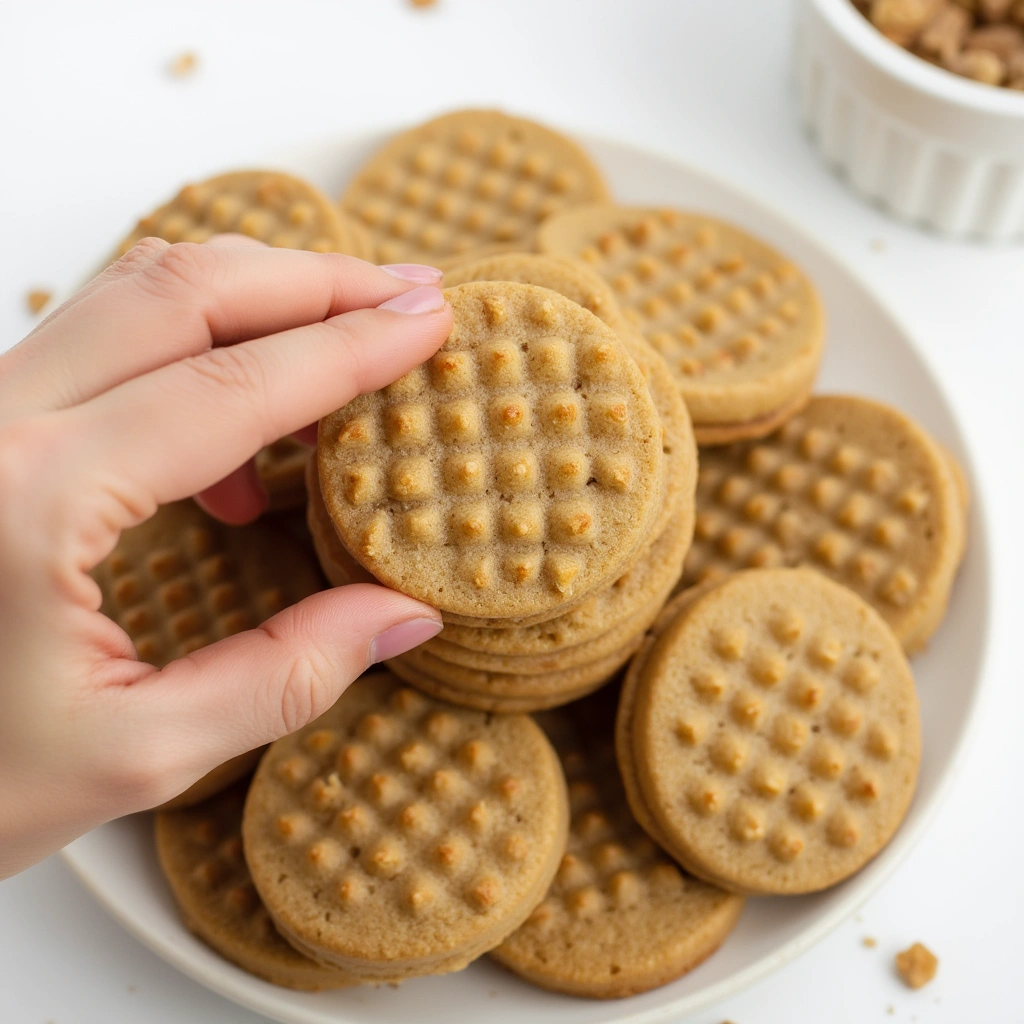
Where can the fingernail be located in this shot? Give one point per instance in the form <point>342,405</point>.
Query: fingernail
<point>419,300</point>
<point>418,272</point>
<point>401,638</point>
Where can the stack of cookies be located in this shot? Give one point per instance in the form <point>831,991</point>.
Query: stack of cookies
<point>514,482</point>
<point>537,481</point>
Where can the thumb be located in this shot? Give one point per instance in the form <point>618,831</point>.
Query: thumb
<point>260,685</point>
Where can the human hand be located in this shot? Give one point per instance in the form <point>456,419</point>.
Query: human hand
<point>158,381</point>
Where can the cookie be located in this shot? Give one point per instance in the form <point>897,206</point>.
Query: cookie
<point>851,487</point>
<point>776,736</point>
<point>503,704</point>
<point>276,208</point>
<point>639,591</point>
<point>620,917</point>
<point>627,703</point>
<point>281,467</point>
<point>469,179</point>
<point>567,277</point>
<point>338,565</point>
<point>396,836</point>
<point>514,474</point>
<point>200,853</point>
<point>604,643</point>
<point>546,689</point>
<point>182,580</point>
<point>741,328</point>
<point>648,581</point>
<point>577,282</point>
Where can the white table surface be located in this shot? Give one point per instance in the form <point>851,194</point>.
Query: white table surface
<point>94,132</point>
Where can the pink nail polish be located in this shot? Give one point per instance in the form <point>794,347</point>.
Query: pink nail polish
<point>420,300</point>
<point>402,637</point>
<point>416,272</point>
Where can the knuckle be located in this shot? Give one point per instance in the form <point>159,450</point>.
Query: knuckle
<point>177,268</point>
<point>348,346</point>
<point>235,367</point>
<point>142,253</point>
<point>25,444</point>
<point>308,690</point>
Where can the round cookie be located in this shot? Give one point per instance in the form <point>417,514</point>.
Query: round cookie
<point>620,918</point>
<point>200,853</point>
<point>281,467</point>
<point>182,580</point>
<point>501,703</point>
<point>605,643</point>
<point>273,207</point>
<point>627,704</point>
<point>741,328</point>
<point>645,585</point>
<point>851,487</point>
<point>567,277</point>
<point>546,687</point>
<point>577,282</point>
<point>776,734</point>
<point>396,836</point>
<point>338,565</point>
<point>513,475</point>
<point>469,179</point>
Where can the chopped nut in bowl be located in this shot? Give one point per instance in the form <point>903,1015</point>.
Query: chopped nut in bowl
<point>898,96</point>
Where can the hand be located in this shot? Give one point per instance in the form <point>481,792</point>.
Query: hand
<point>156,382</point>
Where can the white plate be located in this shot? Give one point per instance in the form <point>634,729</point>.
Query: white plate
<point>868,353</point>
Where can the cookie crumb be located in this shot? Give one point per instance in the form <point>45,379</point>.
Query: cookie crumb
<point>422,3</point>
<point>37,299</point>
<point>890,1009</point>
<point>917,965</point>
<point>182,65</point>
<point>868,942</point>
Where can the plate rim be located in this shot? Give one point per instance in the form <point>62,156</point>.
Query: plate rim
<point>235,984</point>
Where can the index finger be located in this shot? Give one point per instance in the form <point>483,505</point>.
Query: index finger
<point>181,301</point>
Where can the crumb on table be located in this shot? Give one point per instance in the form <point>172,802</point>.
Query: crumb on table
<point>868,942</point>
<point>423,3</point>
<point>37,299</point>
<point>917,965</point>
<point>183,64</point>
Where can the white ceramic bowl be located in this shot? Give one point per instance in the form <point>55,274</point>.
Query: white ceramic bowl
<point>927,145</point>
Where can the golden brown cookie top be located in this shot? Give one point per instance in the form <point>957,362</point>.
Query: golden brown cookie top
<point>200,852</point>
<point>620,916</point>
<point>466,180</point>
<point>568,277</point>
<point>776,733</point>
<point>271,206</point>
<point>514,473</point>
<point>851,487</point>
<point>576,281</point>
<point>182,580</point>
<point>739,325</point>
<point>399,830</point>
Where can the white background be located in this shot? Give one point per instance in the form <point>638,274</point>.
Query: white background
<point>93,132</point>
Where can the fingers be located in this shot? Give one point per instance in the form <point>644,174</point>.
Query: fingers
<point>268,682</point>
<point>161,303</point>
<point>181,429</point>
